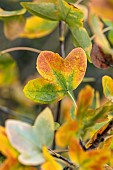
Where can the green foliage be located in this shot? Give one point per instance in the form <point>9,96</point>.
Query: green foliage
<point>61,10</point>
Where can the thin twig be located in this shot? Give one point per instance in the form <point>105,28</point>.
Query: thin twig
<point>8,111</point>
<point>62,38</point>
<point>57,120</point>
<point>103,31</point>
<point>65,160</point>
<point>20,48</point>
<point>62,53</point>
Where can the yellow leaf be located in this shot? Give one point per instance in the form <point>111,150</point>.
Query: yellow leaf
<point>50,163</point>
<point>107,83</point>
<point>37,27</point>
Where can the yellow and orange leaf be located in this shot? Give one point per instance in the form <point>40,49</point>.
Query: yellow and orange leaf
<point>102,8</point>
<point>90,160</point>
<point>66,132</point>
<point>60,76</point>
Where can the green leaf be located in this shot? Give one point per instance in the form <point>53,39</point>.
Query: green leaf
<point>46,10</point>
<point>61,10</point>
<point>7,63</point>
<point>110,36</point>
<point>56,125</point>
<point>44,128</point>
<point>81,39</point>
<point>99,113</point>
<point>29,140</point>
<point>42,91</point>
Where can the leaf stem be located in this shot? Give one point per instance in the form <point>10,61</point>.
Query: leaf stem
<point>103,31</point>
<point>78,2</point>
<point>72,99</point>
<point>62,38</point>
<point>20,48</point>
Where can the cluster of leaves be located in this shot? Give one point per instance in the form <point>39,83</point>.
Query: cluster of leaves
<point>28,147</point>
<point>25,145</point>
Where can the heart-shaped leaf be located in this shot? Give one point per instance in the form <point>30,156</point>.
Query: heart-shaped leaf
<point>60,76</point>
<point>107,83</point>
<point>29,140</point>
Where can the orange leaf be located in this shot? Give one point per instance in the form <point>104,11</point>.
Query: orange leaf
<point>85,97</point>
<point>103,8</point>
<point>66,132</point>
<point>68,72</point>
<point>90,160</point>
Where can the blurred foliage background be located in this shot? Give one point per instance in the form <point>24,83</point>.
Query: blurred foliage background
<point>23,68</point>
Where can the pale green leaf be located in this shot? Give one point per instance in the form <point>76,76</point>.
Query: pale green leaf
<point>29,140</point>
<point>44,128</point>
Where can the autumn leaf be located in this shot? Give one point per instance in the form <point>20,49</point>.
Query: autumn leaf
<point>11,155</point>
<point>107,83</point>
<point>66,132</point>
<point>60,76</point>
<point>100,39</point>
<point>102,8</point>
<point>84,100</point>
<point>97,114</point>
<point>37,27</point>
<point>99,58</point>
<point>50,163</point>
<point>14,22</point>
<point>29,140</point>
<point>91,160</point>
<point>100,135</point>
